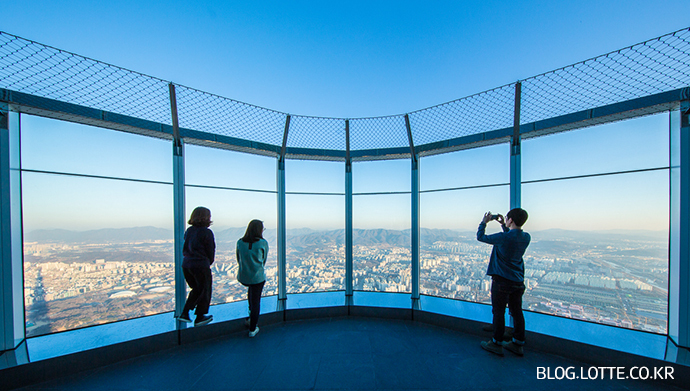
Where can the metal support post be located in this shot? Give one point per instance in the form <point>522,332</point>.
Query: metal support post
<point>11,246</point>
<point>349,269</point>
<point>282,228</point>
<point>178,210</point>
<point>679,238</point>
<point>415,235</point>
<point>414,250</point>
<point>516,159</point>
<point>515,153</point>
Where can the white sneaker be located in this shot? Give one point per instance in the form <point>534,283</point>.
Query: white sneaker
<point>253,333</point>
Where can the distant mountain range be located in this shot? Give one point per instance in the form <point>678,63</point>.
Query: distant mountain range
<point>107,235</point>
<point>298,237</point>
<point>308,237</point>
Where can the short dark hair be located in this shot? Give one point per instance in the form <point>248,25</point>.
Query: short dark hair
<point>518,215</point>
<point>201,217</point>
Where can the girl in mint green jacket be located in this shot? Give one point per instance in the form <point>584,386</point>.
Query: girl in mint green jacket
<point>252,252</point>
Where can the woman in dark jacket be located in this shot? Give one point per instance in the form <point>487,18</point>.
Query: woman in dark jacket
<point>252,251</point>
<point>198,252</point>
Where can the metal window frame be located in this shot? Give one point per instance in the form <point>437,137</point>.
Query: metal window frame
<point>675,100</point>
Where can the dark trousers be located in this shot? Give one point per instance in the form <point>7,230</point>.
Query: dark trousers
<point>200,282</point>
<point>504,291</point>
<point>254,300</point>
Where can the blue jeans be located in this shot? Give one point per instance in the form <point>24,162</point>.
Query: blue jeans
<point>504,291</point>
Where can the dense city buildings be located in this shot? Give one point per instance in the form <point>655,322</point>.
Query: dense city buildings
<point>617,278</point>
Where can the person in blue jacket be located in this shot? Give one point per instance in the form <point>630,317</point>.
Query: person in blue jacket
<point>507,271</point>
<point>252,252</point>
<point>198,255</point>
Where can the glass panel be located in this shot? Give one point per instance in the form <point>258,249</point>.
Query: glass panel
<point>599,249</point>
<point>472,167</point>
<point>382,299</point>
<point>315,251</point>
<point>231,211</point>
<point>52,145</point>
<point>381,242</point>
<point>620,146</point>
<point>381,176</point>
<point>73,341</point>
<point>452,262</point>
<point>314,177</point>
<point>95,251</point>
<point>223,168</point>
<point>316,300</point>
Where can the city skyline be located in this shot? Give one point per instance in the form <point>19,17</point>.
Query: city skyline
<point>619,278</point>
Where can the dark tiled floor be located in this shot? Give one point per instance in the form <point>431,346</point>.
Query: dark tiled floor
<point>339,353</point>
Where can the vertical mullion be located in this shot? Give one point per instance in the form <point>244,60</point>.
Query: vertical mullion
<point>679,231</point>
<point>12,323</point>
<point>414,220</point>
<point>515,153</point>
<point>282,227</point>
<point>349,269</point>
<point>178,209</point>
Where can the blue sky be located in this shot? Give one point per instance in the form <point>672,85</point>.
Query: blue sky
<point>343,59</point>
<point>350,59</point>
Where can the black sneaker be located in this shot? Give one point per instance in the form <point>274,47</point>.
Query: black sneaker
<point>184,318</point>
<point>203,319</point>
<point>514,348</point>
<point>492,347</point>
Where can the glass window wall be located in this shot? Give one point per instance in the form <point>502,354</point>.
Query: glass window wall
<point>452,262</point>
<point>599,247</point>
<point>456,190</point>
<point>636,144</point>
<point>65,147</point>
<point>381,220</point>
<point>315,213</point>
<point>98,239</point>
<point>216,179</point>
<point>601,255</point>
<point>228,169</point>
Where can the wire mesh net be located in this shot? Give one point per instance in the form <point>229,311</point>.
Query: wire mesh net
<point>379,132</point>
<point>658,65</point>
<point>654,66</point>
<point>214,114</point>
<point>463,117</point>
<point>40,70</point>
<point>317,133</point>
